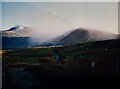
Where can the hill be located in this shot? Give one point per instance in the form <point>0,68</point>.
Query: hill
<point>16,37</point>
<point>82,35</point>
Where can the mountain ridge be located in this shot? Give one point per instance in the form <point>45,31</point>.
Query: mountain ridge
<point>83,35</point>
<point>17,31</point>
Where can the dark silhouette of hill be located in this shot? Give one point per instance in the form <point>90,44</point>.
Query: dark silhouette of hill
<point>16,37</point>
<point>83,35</point>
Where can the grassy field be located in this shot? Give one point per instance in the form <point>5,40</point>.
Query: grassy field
<point>76,60</point>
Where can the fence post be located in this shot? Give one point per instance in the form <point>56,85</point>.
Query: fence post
<point>93,67</point>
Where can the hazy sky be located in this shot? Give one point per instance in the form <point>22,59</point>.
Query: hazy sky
<point>0,15</point>
<point>56,18</point>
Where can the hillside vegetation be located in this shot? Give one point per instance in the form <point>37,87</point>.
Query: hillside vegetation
<point>75,65</point>
<point>78,54</point>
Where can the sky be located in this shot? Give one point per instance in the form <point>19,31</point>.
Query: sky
<point>0,15</point>
<point>54,18</point>
<point>60,0</point>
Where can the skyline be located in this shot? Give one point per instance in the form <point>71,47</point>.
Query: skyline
<point>56,18</point>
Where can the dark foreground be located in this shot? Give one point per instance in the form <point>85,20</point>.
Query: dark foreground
<point>87,65</point>
<point>27,80</point>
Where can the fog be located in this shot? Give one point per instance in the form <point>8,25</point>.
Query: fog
<point>49,20</point>
<point>101,35</point>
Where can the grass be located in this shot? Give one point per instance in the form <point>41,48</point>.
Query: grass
<point>74,67</point>
<point>81,52</point>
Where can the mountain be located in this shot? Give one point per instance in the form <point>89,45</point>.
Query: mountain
<point>16,37</point>
<point>55,40</point>
<point>18,31</point>
<point>82,35</point>
<point>21,36</point>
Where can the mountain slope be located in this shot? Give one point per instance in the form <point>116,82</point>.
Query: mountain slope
<point>17,31</point>
<point>16,37</point>
<point>83,35</point>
